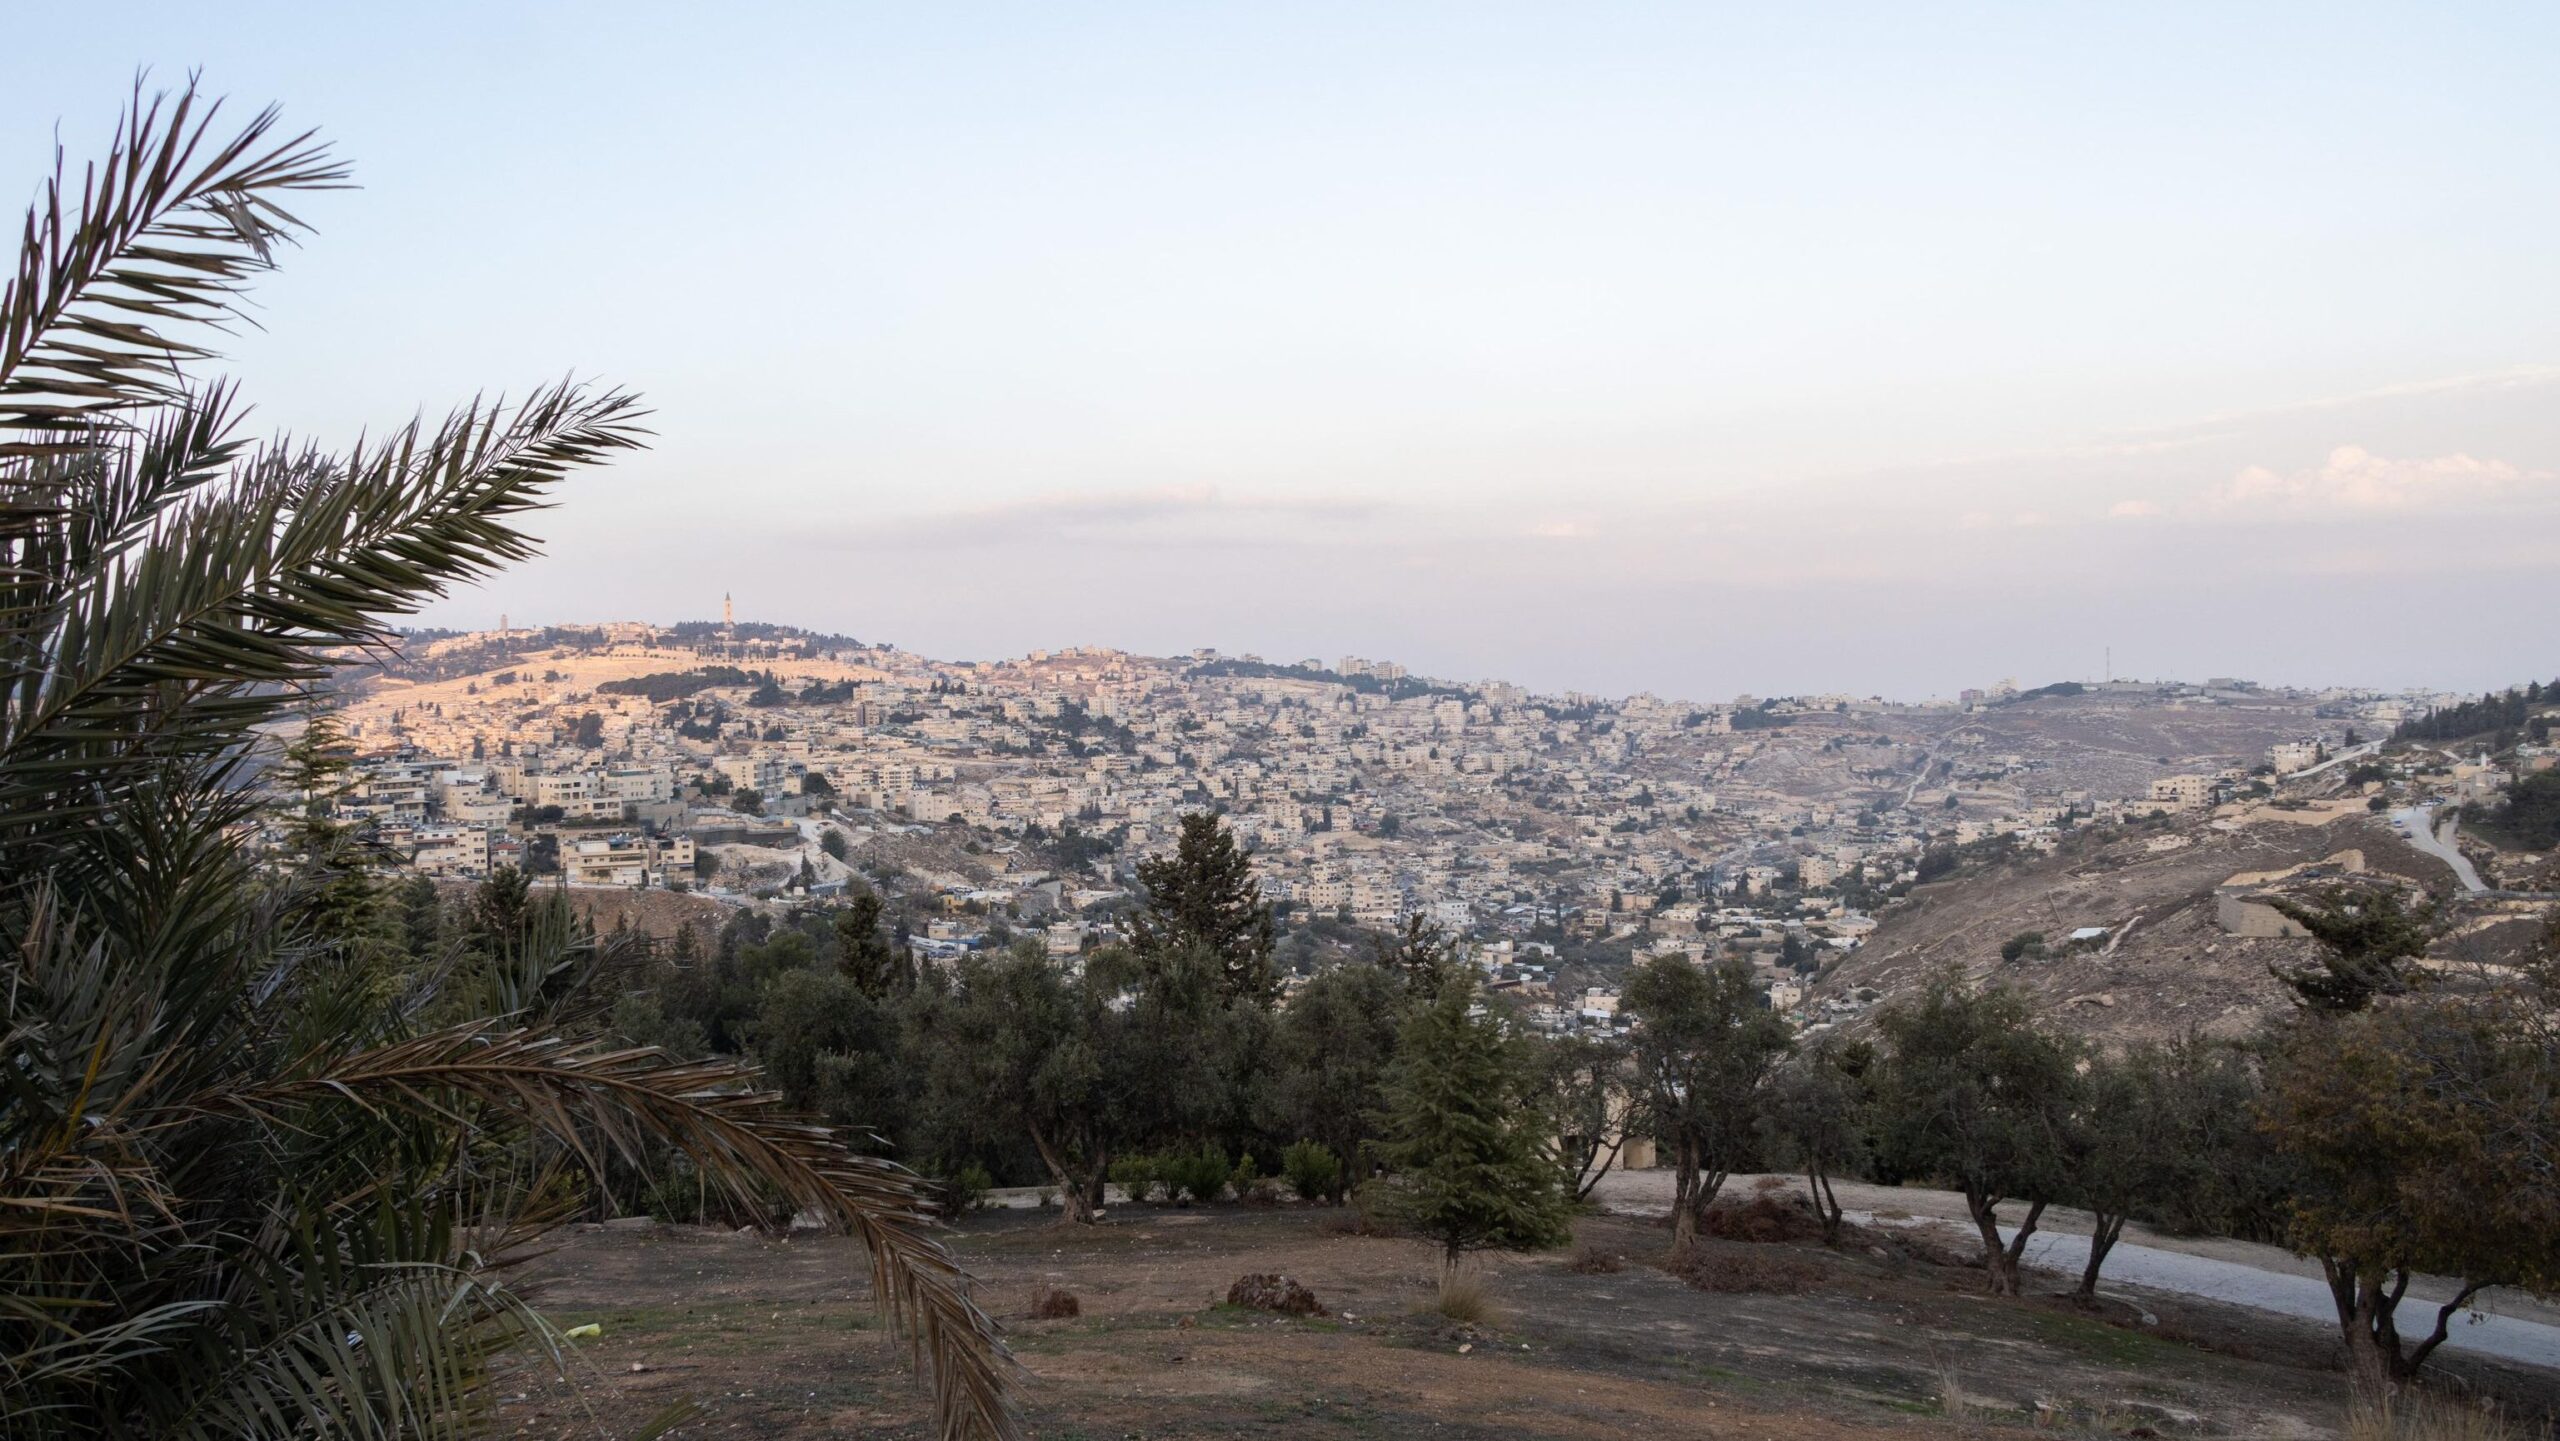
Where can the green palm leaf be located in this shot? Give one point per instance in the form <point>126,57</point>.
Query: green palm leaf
<point>247,1187</point>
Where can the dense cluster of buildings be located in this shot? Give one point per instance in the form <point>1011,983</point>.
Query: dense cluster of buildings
<point>1533,826</point>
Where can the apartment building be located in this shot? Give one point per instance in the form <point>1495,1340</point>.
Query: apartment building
<point>765,775</point>
<point>2183,793</point>
<point>449,849</point>
<point>620,860</point>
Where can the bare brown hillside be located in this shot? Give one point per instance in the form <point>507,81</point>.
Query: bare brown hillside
<point>2167,965</point>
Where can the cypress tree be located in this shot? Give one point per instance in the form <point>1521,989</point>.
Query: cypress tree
<point>1204,895</point>
<point>1471,1170</point>
<point>864,955</point>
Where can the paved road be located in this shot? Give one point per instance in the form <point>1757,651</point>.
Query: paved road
<point>2349,756</point>
<point>2418,827</point>
<point>2508,1324</point>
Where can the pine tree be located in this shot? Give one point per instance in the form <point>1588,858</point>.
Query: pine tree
<point>499,908</point>
<point>421,916</point>
<point>337,859</point>
<point>870,960</point>
<point>1205,895</point>
<point>1422,956</point>
<point>2368,937</point>
<point>1471,1168</point>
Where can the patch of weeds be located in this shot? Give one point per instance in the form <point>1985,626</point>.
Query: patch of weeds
<point>2101,1342</point>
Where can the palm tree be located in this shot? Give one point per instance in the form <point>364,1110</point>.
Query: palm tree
<point>264,1169</point>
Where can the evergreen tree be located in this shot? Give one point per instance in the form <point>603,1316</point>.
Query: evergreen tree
<point>338,861</point>
<point>1205,895</point>
<point>1422,956</point>
<point>1471,1163</point>
<point>421,916</point>
<point>866,957</point>
<point>499,908</point>
<point>2366,936</point>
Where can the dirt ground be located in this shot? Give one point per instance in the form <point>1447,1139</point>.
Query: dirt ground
<point>775,1337</point>
<point>2172,968</point>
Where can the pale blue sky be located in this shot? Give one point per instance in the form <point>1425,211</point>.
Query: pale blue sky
<point>1687,348</point>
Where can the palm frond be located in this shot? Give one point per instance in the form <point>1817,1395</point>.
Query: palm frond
<point>155,243</point>
<point>737,1136</point>
<point>240,1193</point>
<point>388,1351</point>
<point>238,599</point>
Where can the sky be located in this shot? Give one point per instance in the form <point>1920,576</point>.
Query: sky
<point>1692,349</point>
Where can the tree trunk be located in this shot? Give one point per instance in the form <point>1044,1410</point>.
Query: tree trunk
<point>1684,1214</point>
<point>2366,1303</point>
<point>2102,1238</point>
<point>1591,1175</point>
<point>2369,1321</point>
<point>1094,1194</point>
<point>1710,1186</point>
<point>1998,1260</point>
<point>2444,1325</point>
<point>1826,1204</point>
<point>1986,1221</point>
<point>2018,1243</point>
<point>1073,1208</point>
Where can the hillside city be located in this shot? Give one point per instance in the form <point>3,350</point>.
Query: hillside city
<point>1552,835</point>
<point>704,1027</point>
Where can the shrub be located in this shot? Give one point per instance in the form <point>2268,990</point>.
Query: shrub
<point>1139,1176</point>
<point>2027,945</point>
<point>674,1196</point>
<point>1201,1177</point>
<point>1313,1171</point>
<point>966,1189</point>
<point>1051,1303</point>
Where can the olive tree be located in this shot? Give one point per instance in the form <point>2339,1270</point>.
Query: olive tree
<point>1974,1093</point>
<point>1703,1045</point>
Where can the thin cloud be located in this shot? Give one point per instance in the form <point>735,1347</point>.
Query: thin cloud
<point>1170,515</point>
<point>2353,481</point>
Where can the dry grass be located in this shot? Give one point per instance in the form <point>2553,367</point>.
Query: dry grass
<point>1465,1297</point>
<point>1953,1403</point>
<point>2417,1416</point>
